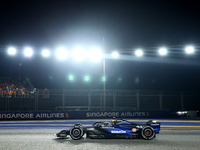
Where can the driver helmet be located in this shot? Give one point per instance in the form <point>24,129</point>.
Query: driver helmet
<point>113,120</point>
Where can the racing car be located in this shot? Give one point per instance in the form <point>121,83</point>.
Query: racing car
<point>114,129</point>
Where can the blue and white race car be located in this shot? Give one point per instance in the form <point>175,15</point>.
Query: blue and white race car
<point>114,129</point>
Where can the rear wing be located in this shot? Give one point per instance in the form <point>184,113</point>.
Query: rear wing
<point>154,124</point>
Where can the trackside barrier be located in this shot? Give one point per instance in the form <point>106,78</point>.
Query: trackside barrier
<point>45,115</point>
<point>93,100</point>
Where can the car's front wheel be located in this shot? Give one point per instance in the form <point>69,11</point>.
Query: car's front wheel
<point>148,133</point>
<point>76,133</point>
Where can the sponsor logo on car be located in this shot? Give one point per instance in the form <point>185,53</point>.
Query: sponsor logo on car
<point>90,129</point>
<point>92,135</point>
<point>134,129</point>
<point>155,124</point>
<point>139,126</point>
<point>62,134</point>
<point>107,127</point>
<point>118,131</point>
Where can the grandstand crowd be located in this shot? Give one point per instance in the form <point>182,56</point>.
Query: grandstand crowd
<point>12,88</point>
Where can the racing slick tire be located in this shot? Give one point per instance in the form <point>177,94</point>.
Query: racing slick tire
<point>76,133</point>
<point>148,133</point>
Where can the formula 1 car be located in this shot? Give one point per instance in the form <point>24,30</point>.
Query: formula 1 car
<point>115,129</point>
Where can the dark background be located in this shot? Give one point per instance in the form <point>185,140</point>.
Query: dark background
<point>125,25</point>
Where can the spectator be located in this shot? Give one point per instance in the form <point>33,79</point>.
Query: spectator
<point>11,88</point>
<point>1,92</point>
<point>4,93</point>
<point>33,93</point>
<point>45,93</point>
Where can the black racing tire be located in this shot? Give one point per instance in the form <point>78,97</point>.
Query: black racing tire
<point>76,133</point>
<point>148,133</point>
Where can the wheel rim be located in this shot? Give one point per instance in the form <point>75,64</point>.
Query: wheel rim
<point>147,132</point>
<point>76,132</point>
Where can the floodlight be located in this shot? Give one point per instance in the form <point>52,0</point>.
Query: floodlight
<point>103,78</point>
<point>78,54</point>
<point>137,80</point>
<point>138,52</point>
<point>95,55</point>
<point>61,53</point>
<point>87,78</point>
<point>45,53</point>
<point>119,79</point>
<point>189,49</point>
<point>162,51</point>
<point>71,77</point>
<point>12,51</point>
<point>28,52</point>
<point>115,54</point>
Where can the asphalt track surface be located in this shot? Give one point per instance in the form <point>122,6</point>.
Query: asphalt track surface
<point>174,135</point>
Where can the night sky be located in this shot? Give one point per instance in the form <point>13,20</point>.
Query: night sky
<point>125,26</point>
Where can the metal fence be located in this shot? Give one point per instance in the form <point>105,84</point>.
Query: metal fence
<point>92,99</point>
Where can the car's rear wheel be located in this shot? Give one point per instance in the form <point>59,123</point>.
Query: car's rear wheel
<point>76,133</point>
<point>148,133</point>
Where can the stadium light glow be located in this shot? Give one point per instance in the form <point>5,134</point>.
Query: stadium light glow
<point>119,79</point>
<point>28,52</point>
<point>78,54</point>
<point>137,80</point>
<point>103,79</point>
<point>115,54</point>
<point>95,55</point>
<point>71,77</point>
<point>12,51</point>
<point>87,78</point>
<point>189,50</point>
<point>61,53</point>
<point>45,53</point>
<point>162,51</point>
<point>139,52</point>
